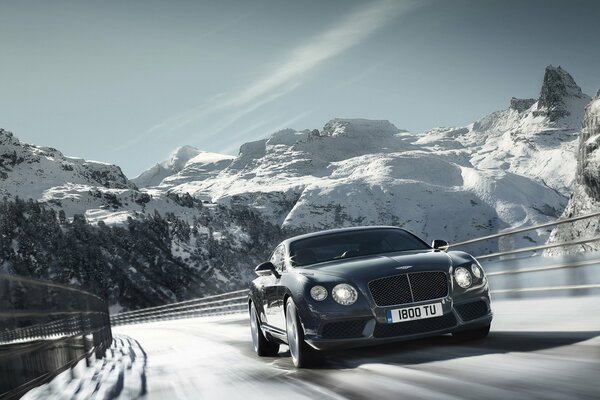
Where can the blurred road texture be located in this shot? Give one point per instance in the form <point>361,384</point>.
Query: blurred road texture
<point>541,348</point>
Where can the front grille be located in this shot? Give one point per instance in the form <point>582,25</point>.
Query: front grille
<point>409,288</point>
<point>391,290</point>
<point>344,329</point>
<point>415,327</point>
<point>428,285</point>
<point>472,310</point>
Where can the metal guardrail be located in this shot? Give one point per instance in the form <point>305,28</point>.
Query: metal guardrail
<point>508,232</point>
<point>545,268</point>
<point>540,247</point>
<point>226,303</point>
<point>547,288</point>
<point>236,302</point>
<point>516,291</point>
<point>46,328</point>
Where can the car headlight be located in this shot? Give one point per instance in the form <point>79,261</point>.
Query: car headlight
<point>463,277</point>
<point>344,294</point>
<point>319,293</point>
<point>476,270</point>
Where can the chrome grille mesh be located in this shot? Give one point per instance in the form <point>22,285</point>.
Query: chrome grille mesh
<point>409,288</point>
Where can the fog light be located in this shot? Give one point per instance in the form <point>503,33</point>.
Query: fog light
<point>462,277</point>
<point>319,293</point>
<point>344,294</point>
<point>476,270</point>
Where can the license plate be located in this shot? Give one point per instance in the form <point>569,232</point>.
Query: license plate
<point>413,313</point>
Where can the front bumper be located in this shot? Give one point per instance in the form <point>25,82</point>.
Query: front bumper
<point>337,331</point>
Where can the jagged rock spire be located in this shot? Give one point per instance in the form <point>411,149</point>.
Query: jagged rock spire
<point>557,88</point>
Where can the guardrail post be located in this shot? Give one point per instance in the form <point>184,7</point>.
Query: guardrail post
<point>84,339</point>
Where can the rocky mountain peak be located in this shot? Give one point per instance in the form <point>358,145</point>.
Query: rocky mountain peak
<point>557,88</point>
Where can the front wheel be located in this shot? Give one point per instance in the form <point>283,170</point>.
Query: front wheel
<point>473,334</point>
<point>261,344</point>
<point>302,354</point>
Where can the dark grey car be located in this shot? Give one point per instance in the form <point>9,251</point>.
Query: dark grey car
<point>362,286</point>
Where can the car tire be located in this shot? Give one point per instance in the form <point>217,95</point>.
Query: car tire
<point>303,356</point>
<point>262,346</point>
<point>473,334</point>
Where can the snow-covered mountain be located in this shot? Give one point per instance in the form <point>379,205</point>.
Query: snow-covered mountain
<point>84,223</point>
<point>178,229</point>
<point>29,171</point>
<point>200,163</point>
<point>533,138</point>
<point>175,163</point>
<point>513,167</point>
<point>586,192</point>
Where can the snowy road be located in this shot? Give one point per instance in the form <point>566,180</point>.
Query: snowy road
<point>543,348</point>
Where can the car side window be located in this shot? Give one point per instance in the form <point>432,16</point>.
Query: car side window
<point>278,258</point>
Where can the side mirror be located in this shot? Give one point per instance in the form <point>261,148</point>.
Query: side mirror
<point>439,244</point>
<point>266,269</point>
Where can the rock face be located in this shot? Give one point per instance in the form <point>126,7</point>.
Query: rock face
<point>559,87</point>
<point>521,105</point>
<point>586,193</point>
<point>588,161</point>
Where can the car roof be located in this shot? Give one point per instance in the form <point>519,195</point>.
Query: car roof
<point>330,231</point>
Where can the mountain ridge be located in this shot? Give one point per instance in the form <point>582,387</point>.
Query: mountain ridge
<point>511,168</point>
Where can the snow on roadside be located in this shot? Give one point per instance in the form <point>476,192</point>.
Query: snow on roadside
<point>121,374</point>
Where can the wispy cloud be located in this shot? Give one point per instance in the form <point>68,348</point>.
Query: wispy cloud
<point>349,31</point>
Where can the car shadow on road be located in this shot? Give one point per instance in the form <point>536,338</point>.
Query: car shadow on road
<point>446,347</point>
<point>441,348</point>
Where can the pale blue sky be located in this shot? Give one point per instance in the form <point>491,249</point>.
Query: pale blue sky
<point>128,81</point>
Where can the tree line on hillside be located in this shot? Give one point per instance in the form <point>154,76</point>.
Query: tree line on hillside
<point>151,259</point>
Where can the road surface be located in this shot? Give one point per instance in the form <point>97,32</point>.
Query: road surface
<point>542,348</point>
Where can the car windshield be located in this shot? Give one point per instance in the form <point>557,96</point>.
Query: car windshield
<point>333,246</point>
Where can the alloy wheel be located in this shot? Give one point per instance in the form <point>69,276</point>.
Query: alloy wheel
<point>254,327</point>
<point>292,331</point>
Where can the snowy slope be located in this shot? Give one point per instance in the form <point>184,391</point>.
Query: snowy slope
<point>71,184</point>
<point>533,138</point>
<point>97,190</point>
<point>28,171</point>
<point>388,179</point>
<point>200,163</point>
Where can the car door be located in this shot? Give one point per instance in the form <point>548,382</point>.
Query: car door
<point>273,292</point>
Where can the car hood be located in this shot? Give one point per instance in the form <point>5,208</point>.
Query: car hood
<point>380,265</point>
